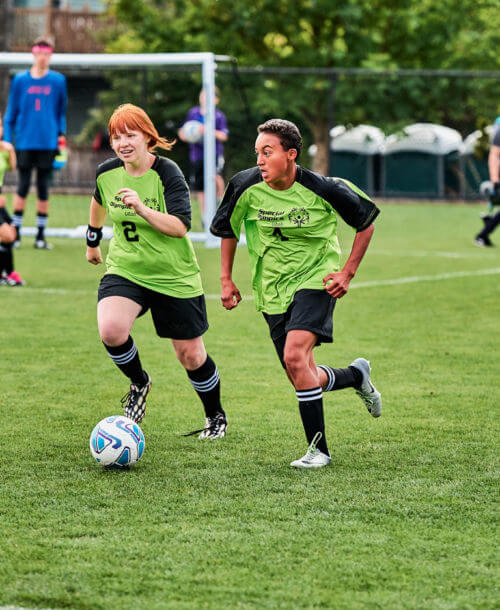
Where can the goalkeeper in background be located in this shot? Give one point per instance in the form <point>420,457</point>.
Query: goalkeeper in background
<point>290,217</point>
<point>491,221</point>
<point>36,120</point>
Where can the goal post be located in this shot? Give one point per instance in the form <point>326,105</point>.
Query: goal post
<point>206,61</point>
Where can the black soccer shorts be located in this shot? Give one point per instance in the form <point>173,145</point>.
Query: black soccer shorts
<point>173,318</point>
<point>196,176</point>
<point>310,310</point>
<point>42,159</point>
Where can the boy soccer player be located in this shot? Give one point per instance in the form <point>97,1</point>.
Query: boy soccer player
<point>290,217</point>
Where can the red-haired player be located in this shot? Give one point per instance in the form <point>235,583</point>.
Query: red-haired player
<point>151,263</point>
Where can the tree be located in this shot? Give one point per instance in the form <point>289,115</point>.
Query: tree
<point>374,34</point>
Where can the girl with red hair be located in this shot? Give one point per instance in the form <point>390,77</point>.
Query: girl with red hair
<point>151,263</point>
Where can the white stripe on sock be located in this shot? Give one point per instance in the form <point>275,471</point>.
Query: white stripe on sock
<point>331,377</point>
<point>126,357</point>
<point>208,384</point>
<point>312,394</point>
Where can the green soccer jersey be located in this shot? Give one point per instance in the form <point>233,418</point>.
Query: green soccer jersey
<point>138,251</point>
<point>4,164</point>
<point>291,234</point>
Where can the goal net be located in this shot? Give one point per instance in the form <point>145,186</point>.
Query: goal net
<point>104,61</point>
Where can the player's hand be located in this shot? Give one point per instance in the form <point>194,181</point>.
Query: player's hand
<point>6,146</point>
<point>230,296</point>
<point>94,255</point>
<point>337,284</point>
<point>131,199</point>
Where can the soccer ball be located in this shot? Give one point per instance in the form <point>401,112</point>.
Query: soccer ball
<point>117,442</point>
<point>192,131</point>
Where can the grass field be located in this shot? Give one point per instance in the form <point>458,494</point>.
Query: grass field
<point>405,517</point>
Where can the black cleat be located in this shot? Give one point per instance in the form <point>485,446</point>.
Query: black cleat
<point>215,427</point>
<point>134,402</point>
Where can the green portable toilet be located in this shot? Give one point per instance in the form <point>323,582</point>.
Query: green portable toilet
<point>423,160</point>
<point>475,163</point>
<point>354,155</point>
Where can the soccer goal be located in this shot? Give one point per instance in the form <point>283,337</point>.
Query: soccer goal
<point>207,63</point>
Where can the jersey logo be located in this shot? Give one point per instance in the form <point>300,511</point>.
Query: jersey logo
<point>298,216</point>
<point>152,203</point>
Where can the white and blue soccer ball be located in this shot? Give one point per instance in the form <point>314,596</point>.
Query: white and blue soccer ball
<point>117,441</point>
<point>192,131</point>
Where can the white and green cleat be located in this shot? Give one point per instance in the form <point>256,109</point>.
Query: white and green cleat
<point>313,458</point>
<point>367,391</point>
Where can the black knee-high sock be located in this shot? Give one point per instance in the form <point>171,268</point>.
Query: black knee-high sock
<point>338,379</point>
<point>41,223</point>
<point>311,412</point>
<point>126,358</point>
<point>17,221</point>
<point>206,381</point>
<point>6,260</point>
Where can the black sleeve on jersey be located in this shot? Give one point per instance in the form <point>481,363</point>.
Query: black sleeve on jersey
<point>4,216</point>
<point>221,223</point>
<point>357,211</point>
<point>105,166</point>
<point>175,189</point>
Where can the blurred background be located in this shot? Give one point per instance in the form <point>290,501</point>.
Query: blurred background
<point>397,97</point>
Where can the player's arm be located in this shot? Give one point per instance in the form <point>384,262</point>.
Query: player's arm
<point>494,163</point>
<point>12,161</point>
<point>61,110</point>
<point>337,284</point>
<point>168,224</point>
<point>221,135</point>
<point>94,232</point>
<point>11,113</point>
<point>230,295</point>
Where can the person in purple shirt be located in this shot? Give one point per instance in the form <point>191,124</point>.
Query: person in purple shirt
<point>36,120</point>
<point>196,149</point>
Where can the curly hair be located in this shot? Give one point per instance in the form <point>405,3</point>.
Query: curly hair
<point>287,132</point>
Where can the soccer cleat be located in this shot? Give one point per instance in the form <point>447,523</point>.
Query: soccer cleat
<point>134,402</point>
<point>483,242</point>
<point>14,279</point>
<point>3,279</point>
<point>215,427</point>
<point>41,244</point>
<point>313,458</point>
<point>367,391</point>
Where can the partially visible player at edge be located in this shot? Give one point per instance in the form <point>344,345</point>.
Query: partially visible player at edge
<point>151,263</point>
<point>8,275</point>
<point>290,217</point>
<point>491,221</point>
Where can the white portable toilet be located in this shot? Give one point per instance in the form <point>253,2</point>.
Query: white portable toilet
<point>354,155</point>
<point>422,161</point>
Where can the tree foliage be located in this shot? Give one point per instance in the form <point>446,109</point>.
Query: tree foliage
<point>372,34</point>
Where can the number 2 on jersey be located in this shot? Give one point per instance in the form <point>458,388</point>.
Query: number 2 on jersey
<point>129,230</point>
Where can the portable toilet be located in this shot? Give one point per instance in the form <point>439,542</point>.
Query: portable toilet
<point>475,161</point>
<point>355,154</point>
<point>422,161</point>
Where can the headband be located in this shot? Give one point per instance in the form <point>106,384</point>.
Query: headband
<point>41,47</point>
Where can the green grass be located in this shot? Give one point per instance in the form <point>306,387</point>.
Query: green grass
<point>404,517</point>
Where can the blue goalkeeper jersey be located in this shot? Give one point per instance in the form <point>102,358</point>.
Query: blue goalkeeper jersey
<point>36,111</point>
